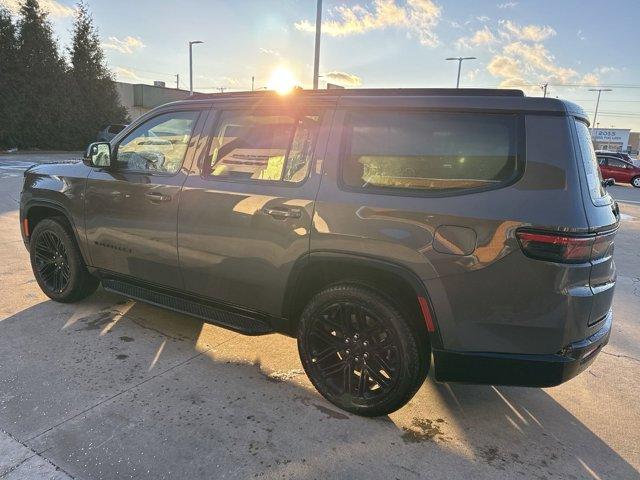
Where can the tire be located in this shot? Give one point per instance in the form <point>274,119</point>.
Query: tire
<point>635,181</point>
<point>359,351</point>
<point>57,263</point>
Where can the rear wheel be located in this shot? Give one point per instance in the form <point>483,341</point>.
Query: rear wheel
<point>57,263</point>
<point>359,351</point>
<point>635,181</point>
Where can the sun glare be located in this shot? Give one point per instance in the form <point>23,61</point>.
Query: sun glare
<point>282,81</point>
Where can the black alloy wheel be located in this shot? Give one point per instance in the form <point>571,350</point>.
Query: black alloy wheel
<point>353,351</point>
<point>360,352</point>
<point>52,262</point>
<point>57,262</point>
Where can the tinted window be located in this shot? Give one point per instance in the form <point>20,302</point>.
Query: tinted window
<point>588,155</point>
<point>429,151</point>
<point>249,146</point>
<point>614,162</point>
<point>159,144</point>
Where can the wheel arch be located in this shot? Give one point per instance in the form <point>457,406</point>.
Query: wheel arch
<point>37,210</point>
<point>319,269</point>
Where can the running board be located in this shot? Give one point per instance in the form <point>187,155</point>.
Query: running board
<point>218,316</point>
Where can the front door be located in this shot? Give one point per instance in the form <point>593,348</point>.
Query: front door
<point>245,217</point>
<point>131,207</point>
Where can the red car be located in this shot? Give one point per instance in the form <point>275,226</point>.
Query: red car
<point>620,170</point>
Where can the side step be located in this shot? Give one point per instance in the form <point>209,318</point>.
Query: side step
<point>218,316</point>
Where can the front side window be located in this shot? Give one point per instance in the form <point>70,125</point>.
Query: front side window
<point>429,152</point>
<point>590,162</point>
<point>250,146</point>
<point>158,145</point>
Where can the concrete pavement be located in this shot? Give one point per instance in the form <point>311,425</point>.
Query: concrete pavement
<point>111,388</point>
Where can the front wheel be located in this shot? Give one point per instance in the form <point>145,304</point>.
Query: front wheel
<point>635,181</point>
<point>57,263</point>
<point>359,351</point>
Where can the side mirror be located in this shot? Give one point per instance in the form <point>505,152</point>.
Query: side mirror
<point>98,155</point>
<point>608,182</point>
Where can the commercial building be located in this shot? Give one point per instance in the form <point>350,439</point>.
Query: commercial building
<point>140,98</point>
<point>612,139</point>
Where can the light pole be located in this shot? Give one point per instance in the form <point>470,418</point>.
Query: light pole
<point>191,44</point>
<point>599,90</point>
<point>460,59</point>
<point>316,58</point>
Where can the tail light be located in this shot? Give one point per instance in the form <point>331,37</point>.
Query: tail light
<point>563,248</point>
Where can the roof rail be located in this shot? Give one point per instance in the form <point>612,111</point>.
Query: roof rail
<point>436,92</point>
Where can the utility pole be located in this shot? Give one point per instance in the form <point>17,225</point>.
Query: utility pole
<point>253,83</point>
<point>178,81</point>
<point>191,44</point>
<point>544,87</point>
<point>316,58</point>
<point>599,90</point>
<point>222,89</point>
<point>460,60</point>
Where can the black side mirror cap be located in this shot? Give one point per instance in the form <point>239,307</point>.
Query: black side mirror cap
<point>98,154</point>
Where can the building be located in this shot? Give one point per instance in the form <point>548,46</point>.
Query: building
<point>634,143</point>
<point>612,139</point>
<point>140,98</point>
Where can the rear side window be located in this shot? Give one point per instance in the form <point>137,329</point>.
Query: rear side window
<point>590,161</point>
<point>253,147</point>
<point>429,152</point>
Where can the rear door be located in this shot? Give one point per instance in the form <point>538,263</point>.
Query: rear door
<point>619,170</point>
<point>245,215</point>
<point>131,208</point>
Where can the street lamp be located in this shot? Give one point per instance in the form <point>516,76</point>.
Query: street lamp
<point>316,57</point>
<point>460,59</point>
<point>599,90</point>
<point>191,44</point>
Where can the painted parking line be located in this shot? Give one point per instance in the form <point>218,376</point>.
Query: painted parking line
<point>629,201</point>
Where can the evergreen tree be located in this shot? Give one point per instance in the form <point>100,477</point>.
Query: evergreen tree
<point>42,82</point>
<point>96,101</point>
<point>9,108</point>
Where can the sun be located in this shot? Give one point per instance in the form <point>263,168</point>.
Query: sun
<point>282,81</point>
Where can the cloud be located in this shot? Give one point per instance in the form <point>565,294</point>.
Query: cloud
<point>581,36</point>
<point>52,7</point>
<point>506,5</point>
<point>343,78</point>
<point>521,64</point>
<point>125,74</point>
<point>418,17</point>
<point>483,18</point>
<point>127,45</point>
<point>268,51</point>
<point>483,36</point>
<point>532,33</point>
<point>472,74</point>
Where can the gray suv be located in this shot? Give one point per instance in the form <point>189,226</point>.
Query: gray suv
<point>385,229</point>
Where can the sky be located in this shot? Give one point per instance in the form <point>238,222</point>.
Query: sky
<point>572,45</point>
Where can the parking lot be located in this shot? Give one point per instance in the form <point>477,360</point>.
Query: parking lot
<point>112,388</point>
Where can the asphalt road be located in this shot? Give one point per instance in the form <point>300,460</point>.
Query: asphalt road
<point>110,388</point>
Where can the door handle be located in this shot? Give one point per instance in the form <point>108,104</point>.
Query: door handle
<point>157,197</point>
<point>283,212</point>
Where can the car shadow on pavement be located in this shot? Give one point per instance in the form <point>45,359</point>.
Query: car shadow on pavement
<point>111,388</point>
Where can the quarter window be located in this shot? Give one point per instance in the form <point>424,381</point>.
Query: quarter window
<point>249,146</point>
<point>158,145</point>
<point>590,162</point>
<point>433,152</point>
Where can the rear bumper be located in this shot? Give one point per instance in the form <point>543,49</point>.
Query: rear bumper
<point>521,369</point>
